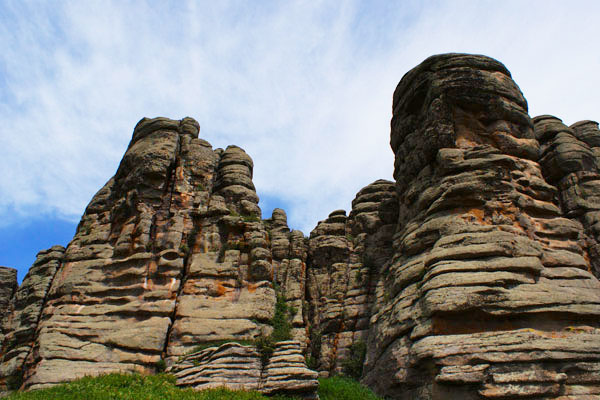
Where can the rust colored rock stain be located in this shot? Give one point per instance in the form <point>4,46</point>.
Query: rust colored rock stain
<point>221,290</point>
<point>252,287</point>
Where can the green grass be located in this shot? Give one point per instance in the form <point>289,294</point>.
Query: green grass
<point>133,387</point>
<point>162,387</point>
<point>342,388</point>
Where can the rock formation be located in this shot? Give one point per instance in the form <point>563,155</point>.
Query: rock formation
<point>8,285</point>
<point>473,276</point>
<point>236,367</point>
<point>489,293</point>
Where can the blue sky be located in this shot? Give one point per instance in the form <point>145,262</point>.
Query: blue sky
<point>305,87</point>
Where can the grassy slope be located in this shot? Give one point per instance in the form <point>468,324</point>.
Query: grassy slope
<point>162,386</point>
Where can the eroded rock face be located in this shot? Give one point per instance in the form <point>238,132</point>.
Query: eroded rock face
<point>473,276</point>
<point>8,285</point>
<point>489,292</point>
<point>570,161</point>
<point>170,253</point>
<point>345,257</point>
<point>240,367</point>
<point>21,322</point>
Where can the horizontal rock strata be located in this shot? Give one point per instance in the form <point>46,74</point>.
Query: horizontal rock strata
<point>474,275</point>
<point>21,322</point>
<point>345,256</point>
<point>238,367</point>
<point>489,293</point>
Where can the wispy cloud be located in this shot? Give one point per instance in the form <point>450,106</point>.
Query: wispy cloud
<point>304,87</point>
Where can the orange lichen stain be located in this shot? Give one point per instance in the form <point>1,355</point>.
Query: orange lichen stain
<point>479,215</point>
<point>588,261</point>
<point>221,290</point>
<point>252,287</point>
<point>336,340</point>
<point>152,267</point>
<point>185,198</point>
<point>179,172</point>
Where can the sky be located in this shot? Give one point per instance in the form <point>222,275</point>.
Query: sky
<point>305,87</point>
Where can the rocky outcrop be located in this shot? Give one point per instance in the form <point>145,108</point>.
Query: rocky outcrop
<point>474,275</point>
<point>570,161</point>
<point>489,292</point>
<point>8,285</point>
<point>21,322</point>
<point>345,257</point>
<point>170,253</point>
<point>241,367</point>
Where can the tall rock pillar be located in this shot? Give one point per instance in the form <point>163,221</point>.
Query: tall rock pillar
<point>489,293</point>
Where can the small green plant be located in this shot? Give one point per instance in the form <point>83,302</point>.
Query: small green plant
<point>349,237</point>
<point>160,366</point>
<point>250,218</point>
<point>183,248</point>
<point>311,362</point>
<point>353,365</point>
<point>282,326</point>
<point>358,276</point>
<point>200,187</point>
<point>14,382</point>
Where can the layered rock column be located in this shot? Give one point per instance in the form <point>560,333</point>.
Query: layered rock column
<point>8,285</point>
<point>489,293</point>
<point>345,257</point>
<point>570,160</point>
<point>22,319</point>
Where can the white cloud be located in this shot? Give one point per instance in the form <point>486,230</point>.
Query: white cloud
<point>304,87</point>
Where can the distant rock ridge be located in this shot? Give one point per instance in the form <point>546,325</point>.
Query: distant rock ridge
<point>474,275</point>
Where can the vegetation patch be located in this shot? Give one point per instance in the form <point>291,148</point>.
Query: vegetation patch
<point>162,387</point>
<point>343,388</point>
<point>134,387</point>
<point>353,366</point>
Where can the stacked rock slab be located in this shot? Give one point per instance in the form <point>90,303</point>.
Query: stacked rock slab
<point>570,160</point>
<point>489,293</point>
<point>286,373</point>
<point>345,255</point>
<point>238,367</point>
<point>23,315</point>
<point>231,365</point>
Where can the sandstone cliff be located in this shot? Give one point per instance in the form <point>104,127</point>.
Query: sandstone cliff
<point>474,275</point>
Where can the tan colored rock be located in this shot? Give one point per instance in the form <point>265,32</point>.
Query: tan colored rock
<point>489,292</point>
<point>8,286</point>
<point>21,322</point>
<point>240,367</point>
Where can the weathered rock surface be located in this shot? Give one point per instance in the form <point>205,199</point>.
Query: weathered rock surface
<point>570,160</point>
<point>8,285</point>
<point>21,322</point>
<point>489,292</point>
<point>473,276</point>
<point>238,367</point>
<point>345,256</point>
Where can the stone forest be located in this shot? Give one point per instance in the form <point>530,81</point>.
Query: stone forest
<point>474,275</point>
